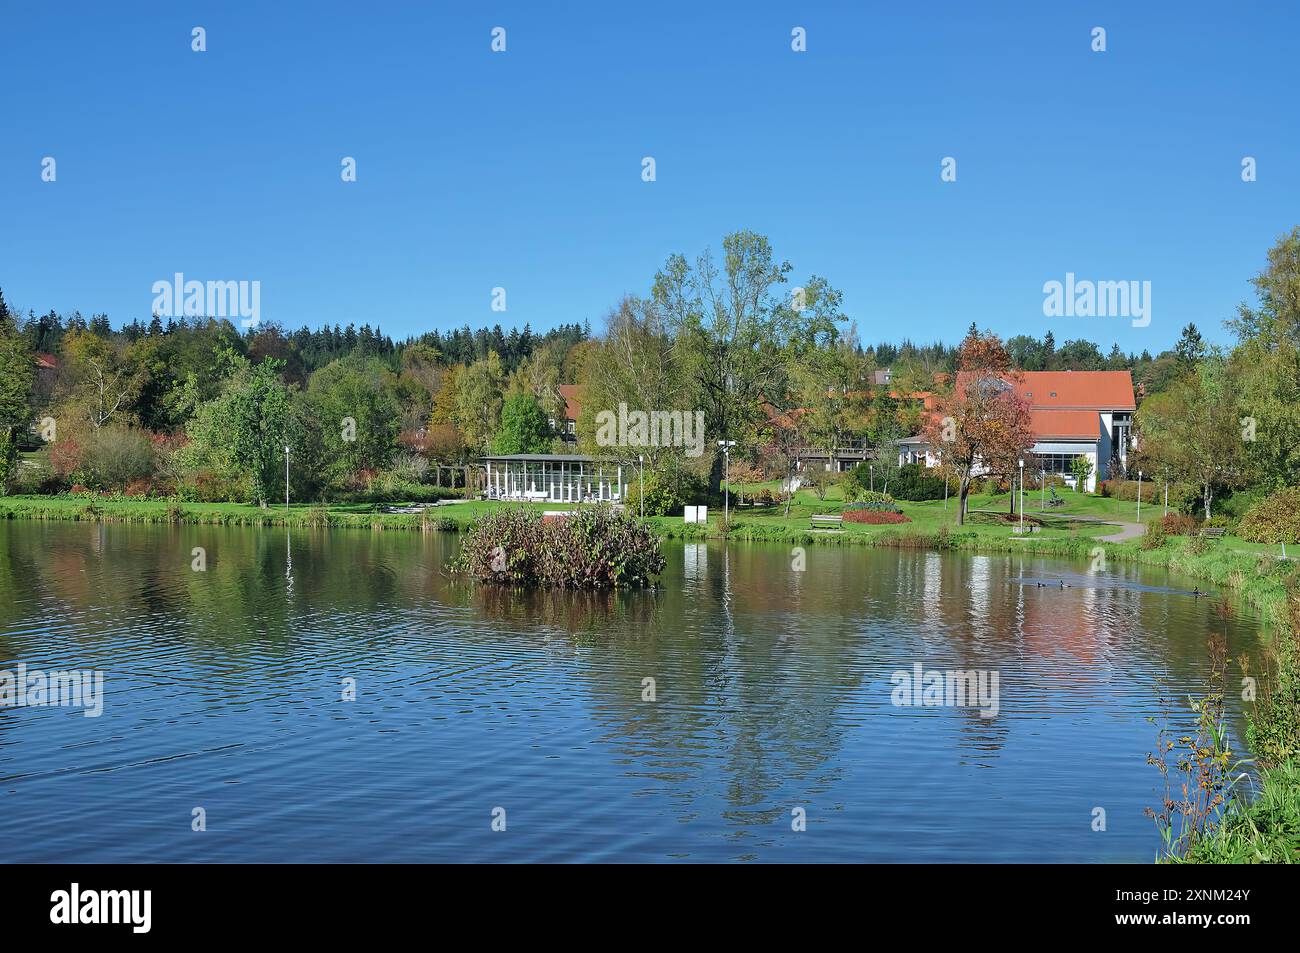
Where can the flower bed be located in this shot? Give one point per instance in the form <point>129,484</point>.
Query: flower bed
<point>875,517</point>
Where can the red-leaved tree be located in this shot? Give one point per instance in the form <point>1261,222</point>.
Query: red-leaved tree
<point>983,425</point>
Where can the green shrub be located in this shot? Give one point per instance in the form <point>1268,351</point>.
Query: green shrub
<point>873,502</point>
<point>205,486</point>
<point>1239,502</point>
<point>1183,497</point>
<point>663,495</point>
<point>389,487</point>
<point>596,548</point>
<point>916,483</point>
<point>1081,468</point>
<point>1154,537</point>
<point>1274,519</point>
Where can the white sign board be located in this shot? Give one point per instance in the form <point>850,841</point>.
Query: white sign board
<point>696,514</point>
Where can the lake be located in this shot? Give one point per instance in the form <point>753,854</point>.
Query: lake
<point>227,687</point>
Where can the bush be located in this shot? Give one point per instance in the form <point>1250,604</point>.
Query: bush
<point>36,477</point>
<point>205,486</point>
<point>597,548</point>
<point>1178,524</point>
<point>1154,537</point>
<point>389,487</point>
<point>113,457</point>
<point>878,503</point>
<point>875,517</point>
<point>1183,497</point>
<point>663,495</point>
<point>916,483</point>
<point>1274,519</point>
<point>410,467</point>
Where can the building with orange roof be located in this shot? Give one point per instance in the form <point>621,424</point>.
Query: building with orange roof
<point>1072,414</point>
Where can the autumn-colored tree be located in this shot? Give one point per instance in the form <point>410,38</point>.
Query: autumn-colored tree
<point>782,442</point>
<point>983,425</point>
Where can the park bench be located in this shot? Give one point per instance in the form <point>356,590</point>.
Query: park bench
<point>1212,532</point>
<point>827,521</point>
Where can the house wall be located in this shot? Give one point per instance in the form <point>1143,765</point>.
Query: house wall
<point>1105,446</point>
<point>1073,449</point>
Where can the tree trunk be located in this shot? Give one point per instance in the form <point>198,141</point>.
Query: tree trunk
<point>715,475</point>
<point>961,501</point>
<point>1208,494</point>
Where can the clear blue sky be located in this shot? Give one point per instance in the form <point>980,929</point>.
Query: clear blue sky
<point>523,169</point>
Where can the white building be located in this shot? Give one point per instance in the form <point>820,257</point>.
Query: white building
<point>553,478</point>
<point>1072,414</point>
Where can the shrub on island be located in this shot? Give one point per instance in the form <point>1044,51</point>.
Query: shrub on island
<point>595,548</point>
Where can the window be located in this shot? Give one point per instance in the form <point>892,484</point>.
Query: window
<point>1055,462</point>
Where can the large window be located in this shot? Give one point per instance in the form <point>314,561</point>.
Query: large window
<point>1056,462</point>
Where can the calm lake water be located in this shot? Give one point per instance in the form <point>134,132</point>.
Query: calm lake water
<point>773,692</point>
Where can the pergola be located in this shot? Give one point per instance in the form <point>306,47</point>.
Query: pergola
<point>553,478</point>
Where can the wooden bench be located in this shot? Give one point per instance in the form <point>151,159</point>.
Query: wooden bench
<point>827,521</point>
<point>1212,532</point>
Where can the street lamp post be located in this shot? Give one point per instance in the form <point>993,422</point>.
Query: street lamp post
<point>1022,496</point>
<point>641,460</point>
<point>286,479</point>
<point>1139,496</point>
<point>726,446</point>
<point>1042,490</point>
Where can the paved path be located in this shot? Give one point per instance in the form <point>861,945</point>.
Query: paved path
<point>1126,532</point>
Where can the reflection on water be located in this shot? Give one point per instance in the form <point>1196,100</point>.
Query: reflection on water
<point>224,691</point>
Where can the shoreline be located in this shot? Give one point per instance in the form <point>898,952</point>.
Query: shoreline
<point>1256,578</point>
